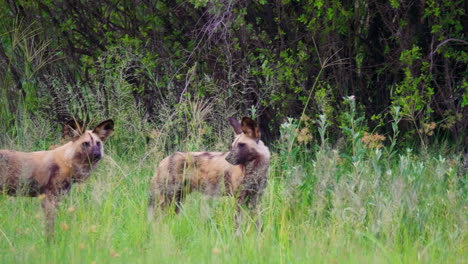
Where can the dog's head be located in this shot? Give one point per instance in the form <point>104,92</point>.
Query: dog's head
<point>87,145</point>
<point>244,147</point>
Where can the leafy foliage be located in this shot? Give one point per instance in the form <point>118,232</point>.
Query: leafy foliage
<point>261,54</point>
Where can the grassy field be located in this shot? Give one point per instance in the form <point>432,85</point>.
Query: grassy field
<point>318,208</point>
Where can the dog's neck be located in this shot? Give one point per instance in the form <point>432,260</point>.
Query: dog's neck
<point>81,172</point>
<point>255,172</point>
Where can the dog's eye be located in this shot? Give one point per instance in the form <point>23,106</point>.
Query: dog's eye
<point>241,145</point>
<point>85,144</point>
<point>98,143</point>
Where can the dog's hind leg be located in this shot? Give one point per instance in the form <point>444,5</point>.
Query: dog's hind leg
<point>151,204</point>
<point>49,205</point>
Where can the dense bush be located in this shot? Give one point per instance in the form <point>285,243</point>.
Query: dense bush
<point>63,58</point>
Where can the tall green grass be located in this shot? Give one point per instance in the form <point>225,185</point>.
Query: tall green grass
<point>320,206</point>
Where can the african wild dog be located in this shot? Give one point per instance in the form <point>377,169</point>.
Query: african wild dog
<point>241,172</point>
<point>51,173</point>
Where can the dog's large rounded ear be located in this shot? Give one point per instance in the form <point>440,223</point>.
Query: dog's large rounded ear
<point>72,129</point>
<point>235,125</point>
<point>105,129</point>
<point>250,128</point>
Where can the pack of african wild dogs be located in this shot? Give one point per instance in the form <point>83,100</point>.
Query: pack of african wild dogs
<point>240,172</point>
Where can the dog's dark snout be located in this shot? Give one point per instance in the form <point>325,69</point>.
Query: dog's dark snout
<point>96,155</point>
<point>231,158</point>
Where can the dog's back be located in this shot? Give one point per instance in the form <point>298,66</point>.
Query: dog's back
<point>207,172</point>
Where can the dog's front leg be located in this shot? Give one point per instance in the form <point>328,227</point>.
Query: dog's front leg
<point>49,205</point>
<point>238,217</point>
<point>255,210</point>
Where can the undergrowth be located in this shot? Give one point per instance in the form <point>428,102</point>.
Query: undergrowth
<point>356,200</point>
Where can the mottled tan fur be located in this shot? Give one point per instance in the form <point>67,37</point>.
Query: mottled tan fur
<point>52,172</point>
<point>241,172</point>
